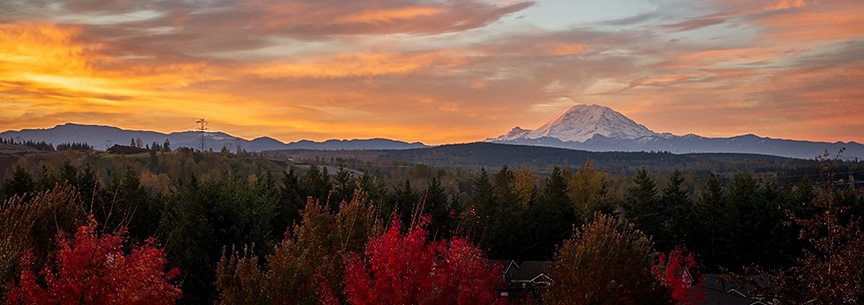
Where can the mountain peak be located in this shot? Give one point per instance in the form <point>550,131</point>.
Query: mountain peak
<point>582,122</point>
<point>515,133</point>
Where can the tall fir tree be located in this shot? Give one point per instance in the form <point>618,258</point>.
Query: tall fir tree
<point>436,205</point>
<point>551,220</point>
<point>291,201</point>
<point>710,239</point>
<point>679,217</point>
<point>478,213</point>
<point>642,204</point>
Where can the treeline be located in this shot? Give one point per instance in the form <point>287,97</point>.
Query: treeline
<point>155,146</point>
<point>42,145</point>
<point>543,159</point>
<point>232,222</point>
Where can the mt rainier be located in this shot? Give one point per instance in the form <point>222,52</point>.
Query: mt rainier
<point>582,122</point>
<point>599,128</point>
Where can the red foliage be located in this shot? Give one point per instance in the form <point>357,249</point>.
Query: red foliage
<point>680,272</point>
<point>406,269</point>
<point>93,269</point>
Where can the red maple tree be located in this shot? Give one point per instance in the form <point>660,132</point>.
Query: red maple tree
<point>93,269</point>
<point>407,269</point>
<point>679,271</point>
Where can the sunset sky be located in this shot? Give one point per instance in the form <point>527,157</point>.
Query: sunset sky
<point>435,71</point>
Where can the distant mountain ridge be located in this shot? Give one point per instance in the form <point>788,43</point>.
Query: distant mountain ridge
<point>100,136</point>
<point>599,128</point>
<point>492,156</point>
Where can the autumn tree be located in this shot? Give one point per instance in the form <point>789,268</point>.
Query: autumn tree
<point>607,261</point>
<point>525,185</point>
<point>588,191</point>
<point>307,265</point>
<point>678,271</point>
<point>32,224</point>
<point>93,268</point>
<point>409,269</point>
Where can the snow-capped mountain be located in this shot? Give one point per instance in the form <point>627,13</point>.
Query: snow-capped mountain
<point>515,133</point>
<point>582,122</point>
<point>599,128</point>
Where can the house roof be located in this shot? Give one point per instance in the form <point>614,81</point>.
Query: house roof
<point>524,271</point>
<point>530,271</point>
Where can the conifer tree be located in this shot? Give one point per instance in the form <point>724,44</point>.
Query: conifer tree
<point>344,186</point>
<point>479,208</point>
<point>405,203</point>
<point>642,204</point>
<point>291,201</point>
<point>47,179</point>
<point>88,187</point>
<point>677,210</point>
<point>19,184</point>
<point>374,186</point>
<point>437,206</point>
<point>551,220</point>
<point>68,173</point>
<point>709,240</point>
<point>316,183</point>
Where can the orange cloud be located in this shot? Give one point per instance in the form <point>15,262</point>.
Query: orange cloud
<point>564,49</point>
<point>846,22</point>
<point>51,74</point>
<point>49,57</point>
<point>784,4</point>
<point>352,65</point>
<point>47,70</point>
<point>727,57</point>
<point>387,15</point>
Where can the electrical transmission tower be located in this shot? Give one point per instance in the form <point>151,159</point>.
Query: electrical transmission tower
<point>202,127</point>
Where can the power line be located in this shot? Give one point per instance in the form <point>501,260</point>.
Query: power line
<point>202,127</point>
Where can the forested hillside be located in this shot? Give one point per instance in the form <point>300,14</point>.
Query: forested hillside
<point>223,227</point>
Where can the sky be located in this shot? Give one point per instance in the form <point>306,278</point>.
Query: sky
<point>436,71</point>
